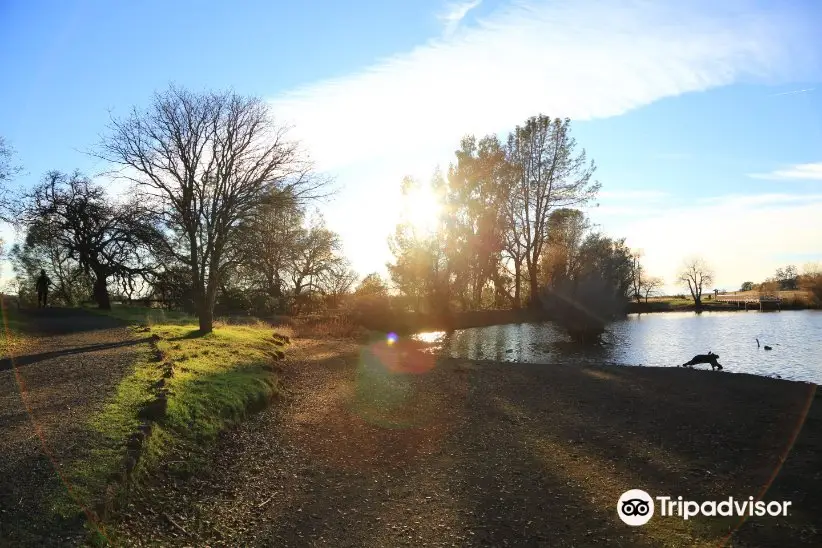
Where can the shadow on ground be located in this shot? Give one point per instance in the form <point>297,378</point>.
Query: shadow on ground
<point>72,362</point>
<point>496,455</point>
<point>62,321</point>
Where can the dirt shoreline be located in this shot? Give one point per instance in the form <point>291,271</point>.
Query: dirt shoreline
<point>372,448</point>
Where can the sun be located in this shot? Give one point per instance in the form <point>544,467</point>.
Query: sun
<point>423,209</point>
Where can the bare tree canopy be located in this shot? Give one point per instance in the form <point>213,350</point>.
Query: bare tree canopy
<point>650,286</point>
<point>76,221</point>
<point>8,170</point>
<point>696,273</point>
<point>204,161</point>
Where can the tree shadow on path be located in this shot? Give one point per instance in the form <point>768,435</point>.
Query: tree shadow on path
<point>75,360</point>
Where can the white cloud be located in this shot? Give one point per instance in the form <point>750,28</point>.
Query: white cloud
<point>455,13</point>
<point>798,172</point>
<point>584,59</point>
<point>580,59</point>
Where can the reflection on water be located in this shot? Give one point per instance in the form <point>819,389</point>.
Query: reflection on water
<point>663,339</point>
<point>430,337</point>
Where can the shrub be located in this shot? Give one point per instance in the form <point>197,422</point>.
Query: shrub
<point>584,307</point>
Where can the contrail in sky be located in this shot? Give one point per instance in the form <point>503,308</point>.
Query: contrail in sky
<point>793,92</point>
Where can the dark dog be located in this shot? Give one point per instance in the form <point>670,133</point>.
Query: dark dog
<point>709,358</point>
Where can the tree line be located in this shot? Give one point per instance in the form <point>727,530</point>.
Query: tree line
<point>512,233</point>
<point>217,215</point>
<point>790,279</point>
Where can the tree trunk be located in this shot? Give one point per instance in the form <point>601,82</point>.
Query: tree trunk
<point>201,309</point>
<point>533,286</point>
<point>517,285</point>
<point>205,314</point>
<point>101,292</point>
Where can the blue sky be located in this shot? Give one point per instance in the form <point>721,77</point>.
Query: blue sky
<point>706,122</point>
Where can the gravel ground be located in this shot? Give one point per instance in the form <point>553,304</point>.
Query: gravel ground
<point>376,447</point>
<point>47,392</point>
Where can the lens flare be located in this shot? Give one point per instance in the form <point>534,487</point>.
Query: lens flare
<point>392,338</point>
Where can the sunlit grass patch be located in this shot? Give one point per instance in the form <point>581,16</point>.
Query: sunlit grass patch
<point>210,382</point>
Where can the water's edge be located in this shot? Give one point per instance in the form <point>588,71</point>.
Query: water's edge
<point>657,340</point>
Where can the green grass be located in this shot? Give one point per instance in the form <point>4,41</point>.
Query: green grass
<point>218,379</point>
<point>676,302</point>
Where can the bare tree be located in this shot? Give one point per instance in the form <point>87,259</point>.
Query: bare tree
<point>549,175</point>
<point>696,274</point>
<point>204,161</point>
<point>7,172</point>
<point>317,252</point>
<point>70,282</point>
<point>337,281</point>
<point>75,217</point>
<point>650,286</point>
<point>637,276</point>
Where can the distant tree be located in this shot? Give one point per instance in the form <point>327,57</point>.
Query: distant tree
<point>75,217</point>
<point>548,175</point>
<point>650,286</point>
<point>747,286</point>
<point>267,245</point>
<point>372,286</point>
<point>787,278</point>
<point>203,162</point>
<point>637,276</point>
<point>584,306</point>
<point>596,293</point>
<point>70,284</point>
<point>337,281</point>
<point>695,273</point>
<point>370,304</point>
<point>421,268</point>
<point>566,230</point>
<point>317,252</point>
<point>475,227</point>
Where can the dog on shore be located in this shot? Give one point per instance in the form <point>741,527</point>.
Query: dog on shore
<point>709,358</point>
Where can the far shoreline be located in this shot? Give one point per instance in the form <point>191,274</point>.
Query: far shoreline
<point>412,323</point>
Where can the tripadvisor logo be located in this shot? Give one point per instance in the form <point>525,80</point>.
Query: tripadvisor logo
<point>636,507</point>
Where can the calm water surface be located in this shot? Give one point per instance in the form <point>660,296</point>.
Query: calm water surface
<point>662,339</point>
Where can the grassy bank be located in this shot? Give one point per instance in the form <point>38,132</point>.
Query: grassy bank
<point>183,390</point>
<point>791,300</point>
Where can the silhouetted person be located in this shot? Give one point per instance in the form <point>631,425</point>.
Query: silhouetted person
<point>42,289</point>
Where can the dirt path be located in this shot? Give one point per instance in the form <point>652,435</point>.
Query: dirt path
<point>373,449</point>
<point>47,391</point>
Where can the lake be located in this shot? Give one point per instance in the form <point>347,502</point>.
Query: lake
<point>660,339</point>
